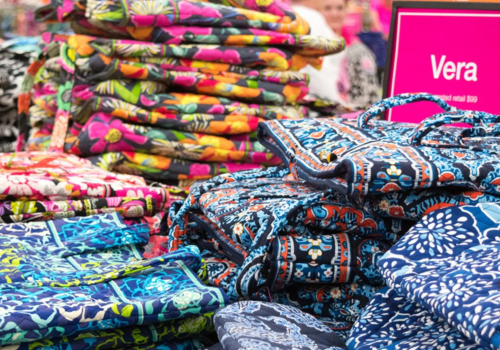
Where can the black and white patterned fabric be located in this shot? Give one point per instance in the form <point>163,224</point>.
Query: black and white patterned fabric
<point>13,66</point>
<point>255,325</point>
<point>8,130</point>
<point>361,85</point>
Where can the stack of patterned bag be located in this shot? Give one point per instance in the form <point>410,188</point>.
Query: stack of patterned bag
<point>73,243</point>
<point>41,186</point>
<point>174,89</point>
<point>310,234</point>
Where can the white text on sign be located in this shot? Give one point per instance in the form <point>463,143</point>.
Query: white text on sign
<point>451,70</point>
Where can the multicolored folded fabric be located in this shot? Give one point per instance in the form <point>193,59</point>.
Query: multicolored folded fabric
<point>446,265</point>
<point>352,160</point>
<point>164,336</point>
<point>305,45</point>
<point>241,209</point>
<point>262,56</point>
<point>101,68</point>
<point>129,98</point>
<point>103,133</point>
<point>291,260</point>
<point>246,212</point>
<point>21,211</point>
<point>191,344</point>
<point>249,324</point>
<point>50,249</point>
<point>55,290</point>
<point>211,124</point>
<point>162,168</point>
<point>165,13</point>
<point>205,83</point>
<point>43,176</point>
<point>339,258</point>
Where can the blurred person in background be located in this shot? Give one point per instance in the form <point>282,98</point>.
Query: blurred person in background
<point>358,82</point>
<point>322,83</point>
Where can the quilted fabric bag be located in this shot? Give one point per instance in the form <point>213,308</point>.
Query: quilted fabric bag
<point>374,159</point>
<point>244,213</point>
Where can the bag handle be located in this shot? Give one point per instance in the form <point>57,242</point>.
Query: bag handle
<point>479,120</point>
<point>488,130</point>
<point>399,100</point>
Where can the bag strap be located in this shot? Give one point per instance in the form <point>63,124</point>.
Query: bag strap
<point>399,100</point>
<point>479,121</point>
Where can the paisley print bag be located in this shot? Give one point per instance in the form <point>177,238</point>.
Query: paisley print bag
<point>246,212</point>
<point>364,159</point>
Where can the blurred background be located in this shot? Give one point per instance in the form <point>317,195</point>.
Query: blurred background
<point>353,77</point>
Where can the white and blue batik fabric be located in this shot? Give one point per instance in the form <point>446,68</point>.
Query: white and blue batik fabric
<point>256,325</point>
<point>444,286</point>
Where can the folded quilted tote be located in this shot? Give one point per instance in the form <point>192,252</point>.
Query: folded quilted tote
<point>278,58</point>
<point>246,212</point>
<point>336,258</point>
<point>306,45</point>
<point>151,96</point>
<point>20,211</point>
<point>234,86</point>
<point>42,176</point>
<point>172,335</point>
<point>164,168</point>
<point>103,134</point>
<point>153,68</point>
<point>379,158</point>
<point>211,124</point>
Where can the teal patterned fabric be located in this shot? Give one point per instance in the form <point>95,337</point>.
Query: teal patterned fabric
<point>72,276</point>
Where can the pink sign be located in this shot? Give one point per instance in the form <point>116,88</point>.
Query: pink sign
<point>447,52</point>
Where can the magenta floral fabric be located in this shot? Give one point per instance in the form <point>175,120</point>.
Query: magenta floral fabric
<point>56,176</point>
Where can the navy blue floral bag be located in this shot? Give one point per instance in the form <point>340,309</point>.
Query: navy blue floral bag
<point>279,232</point>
